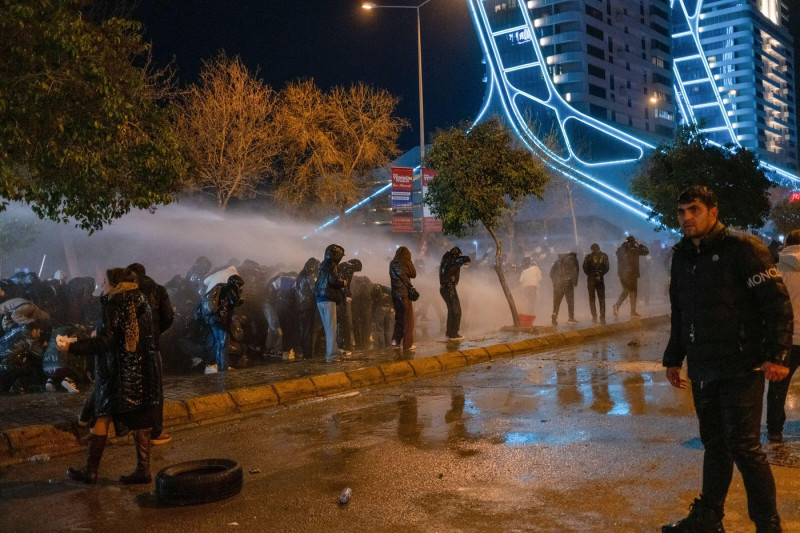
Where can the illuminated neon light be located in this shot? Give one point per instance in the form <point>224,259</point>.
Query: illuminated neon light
<point>503,94</point>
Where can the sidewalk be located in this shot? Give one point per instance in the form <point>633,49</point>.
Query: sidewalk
<point>45,424</point>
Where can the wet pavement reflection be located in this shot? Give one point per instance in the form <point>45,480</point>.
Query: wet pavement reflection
<point>584,438</point>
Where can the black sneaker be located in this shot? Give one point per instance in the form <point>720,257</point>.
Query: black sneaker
<point>775,437</point>
<point>773,525</point>
<point>700,520</point>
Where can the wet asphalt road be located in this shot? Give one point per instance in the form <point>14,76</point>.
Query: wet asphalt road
<point>588,438</point>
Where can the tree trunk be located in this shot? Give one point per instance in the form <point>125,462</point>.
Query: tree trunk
<point>498,267</point>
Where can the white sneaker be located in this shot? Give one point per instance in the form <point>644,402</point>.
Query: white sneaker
<point>69,385</point>
<point>50,386</point>
<point>211,369</point>
<point>196,361</point>
<point>456,338</point>
<point>413,347</point>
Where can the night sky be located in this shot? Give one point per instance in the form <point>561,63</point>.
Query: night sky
<point>335,42</point>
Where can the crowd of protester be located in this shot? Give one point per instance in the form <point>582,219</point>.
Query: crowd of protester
<point>216,318</point>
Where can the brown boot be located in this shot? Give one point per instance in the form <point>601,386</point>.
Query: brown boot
<point>140,476</point>
<point>88,474</point>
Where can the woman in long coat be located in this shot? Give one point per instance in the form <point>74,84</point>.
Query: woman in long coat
<point>401,271</point>
<point>125,381</point>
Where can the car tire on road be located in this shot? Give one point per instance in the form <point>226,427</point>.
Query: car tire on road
<point>199,481</point>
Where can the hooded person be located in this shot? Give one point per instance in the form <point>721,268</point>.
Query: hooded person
<point>346,337</point>
<point>628,255</point>
<point>328,292</point>
<point>789,266</point>
<point>163,314</point>
<point>449,275</point>
<point>307,305</point>
<point>125,388</point>
<point>217,308</point>
<point>564,275</point>
<point>21,356</point>
<point>401,272</point>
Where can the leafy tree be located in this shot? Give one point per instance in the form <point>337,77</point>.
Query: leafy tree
<point>15,234</point>
<point>227,128</point>
<point>480,173</point>
<point>785,215</point>
<point>741,187</point>
<point>332,141</point>
<point>82,132</point>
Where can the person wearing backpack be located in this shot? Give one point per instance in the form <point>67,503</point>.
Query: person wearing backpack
<point>217,307</point>
<point>564,275</point>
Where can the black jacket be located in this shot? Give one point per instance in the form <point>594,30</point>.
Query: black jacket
<point>565,270</point>
<point>628,258</point>
<point>595,265</point>
<point>123,380</point>
<point>730,308</point>
<point>450,267</point>
<point>329,283</point>
<point>160,306</point>
<point>304,285</point>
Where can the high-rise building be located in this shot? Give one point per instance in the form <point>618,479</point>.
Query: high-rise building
<point>611,60</point>
<point>740,88</point>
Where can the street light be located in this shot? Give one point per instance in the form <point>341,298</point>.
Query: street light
<point>371,5</point>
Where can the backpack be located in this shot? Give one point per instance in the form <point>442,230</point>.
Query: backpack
<point>209,303</point>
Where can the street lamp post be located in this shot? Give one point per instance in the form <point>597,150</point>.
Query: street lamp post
<point>371,5</point>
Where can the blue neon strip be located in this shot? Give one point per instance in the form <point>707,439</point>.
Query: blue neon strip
<point>503,94</point>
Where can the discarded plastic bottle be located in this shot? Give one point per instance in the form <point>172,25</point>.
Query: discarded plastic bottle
<point>344,497</point>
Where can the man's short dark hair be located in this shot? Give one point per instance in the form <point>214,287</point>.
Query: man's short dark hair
<point>701,193</point>
<point>793,238</point>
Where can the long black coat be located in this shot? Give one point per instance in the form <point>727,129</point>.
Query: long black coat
<point>124,381</point>
<point>401,271</point>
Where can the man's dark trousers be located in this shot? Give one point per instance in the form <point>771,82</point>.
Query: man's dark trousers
<point>729,412</point>
<point>450,297</point>
<point>597,286</point>
<point>561,290</point>
<point>776,396</point>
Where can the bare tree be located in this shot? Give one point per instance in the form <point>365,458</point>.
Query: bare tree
<point>331,142</point>
<point>228,131</point>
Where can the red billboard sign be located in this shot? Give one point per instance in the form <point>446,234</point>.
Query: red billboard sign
<point>402,206</point>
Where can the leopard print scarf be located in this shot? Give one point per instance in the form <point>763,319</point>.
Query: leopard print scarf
<point>131,323</point>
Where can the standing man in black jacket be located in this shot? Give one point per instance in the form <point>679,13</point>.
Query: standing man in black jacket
<point>449,274</point>
<point>595,266</point>
<point>163,315</point>
<point>732,321</point>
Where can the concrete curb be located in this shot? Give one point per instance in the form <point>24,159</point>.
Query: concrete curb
<point>26,443</point>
